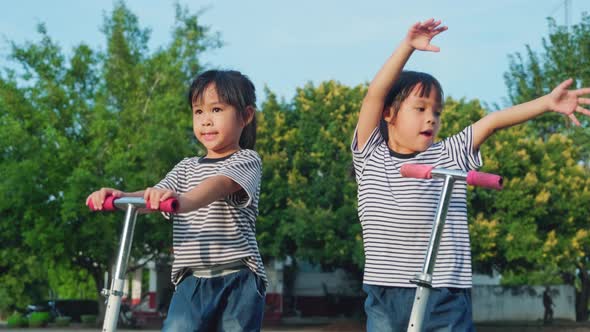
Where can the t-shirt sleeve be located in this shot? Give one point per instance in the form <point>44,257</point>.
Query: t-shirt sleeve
<point>360,155</point>
<point>246,170</point>
<point>170,181</point>
<point>460,148</point>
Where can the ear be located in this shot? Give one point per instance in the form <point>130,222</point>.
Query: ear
<point>250,110</point>
<point>389,115</point>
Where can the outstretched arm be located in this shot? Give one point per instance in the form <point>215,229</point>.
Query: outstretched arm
<point>417,38</point>
<point>560,100</point>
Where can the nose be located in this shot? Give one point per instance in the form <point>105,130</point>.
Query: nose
<point>431,118</point>
<point>206,121</point>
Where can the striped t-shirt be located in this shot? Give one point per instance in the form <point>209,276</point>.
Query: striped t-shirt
<point>397,213</point>
<point>225,230</point>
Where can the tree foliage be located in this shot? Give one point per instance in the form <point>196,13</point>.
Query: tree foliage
<point>73,124</point>
<point>565,55</point>
<point>308,202</point>
<point>537,226</point>
<point>118,118</point>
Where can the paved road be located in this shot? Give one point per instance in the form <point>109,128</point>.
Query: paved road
<point>75,328</point>
<point>311,329</point>
<point>69,329</point>
<point>349,326</point>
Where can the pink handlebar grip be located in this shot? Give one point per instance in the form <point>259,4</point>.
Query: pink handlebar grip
<point>416,171</point>
<point>485,180</point>
<point>107,205</point>
<point>169,205</point>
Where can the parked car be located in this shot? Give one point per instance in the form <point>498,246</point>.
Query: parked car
<point>71,308</point>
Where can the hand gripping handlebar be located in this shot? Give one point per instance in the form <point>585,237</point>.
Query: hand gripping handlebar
<point>111,203</point>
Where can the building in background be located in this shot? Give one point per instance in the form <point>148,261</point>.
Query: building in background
<point>306,290</point>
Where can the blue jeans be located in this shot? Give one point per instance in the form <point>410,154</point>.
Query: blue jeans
<point>234,302</point>
<point>389,309</point>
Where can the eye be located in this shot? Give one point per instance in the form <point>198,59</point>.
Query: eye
<point>198,111</point>
<point>437,113</point>
<point>217,109</point>
<point>420,109</point>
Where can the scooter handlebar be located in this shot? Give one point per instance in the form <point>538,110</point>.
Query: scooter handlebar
<point>474,178</point>
<point>485,180</point>
<point>108,205</point>
<point>169,205</point>
<point>418,171</point>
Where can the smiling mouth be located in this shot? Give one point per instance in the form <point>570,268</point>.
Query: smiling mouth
<point>208,136</point>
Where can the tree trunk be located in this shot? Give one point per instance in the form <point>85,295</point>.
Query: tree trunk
<point>582,296</point>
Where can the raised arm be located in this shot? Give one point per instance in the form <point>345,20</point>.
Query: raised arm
<point>560,100</point>
<point>417,38</point>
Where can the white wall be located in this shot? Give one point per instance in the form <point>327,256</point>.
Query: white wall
<point>317,283</point>
<point>274,272</point>
<point>496,303</point>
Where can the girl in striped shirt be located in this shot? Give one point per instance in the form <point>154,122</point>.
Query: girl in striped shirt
<point>398,123</point>
<point>217,269</point>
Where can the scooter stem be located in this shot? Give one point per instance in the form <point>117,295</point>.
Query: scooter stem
<point>115,294</point>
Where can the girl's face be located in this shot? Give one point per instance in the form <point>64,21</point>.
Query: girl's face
<point>416,124</point>
<point>217,125</point>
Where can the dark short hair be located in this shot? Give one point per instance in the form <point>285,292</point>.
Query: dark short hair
<point>402,88</point>
<point>233,88</point>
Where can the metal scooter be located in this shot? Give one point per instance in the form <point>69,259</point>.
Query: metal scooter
<point>423,280</point>
<point>131,205</point>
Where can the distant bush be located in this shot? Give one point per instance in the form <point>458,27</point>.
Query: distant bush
<point>75,308</point>
<point>17,320</point>
<point>88,319</point>
<point>38,319</point>
<point>63,320</point>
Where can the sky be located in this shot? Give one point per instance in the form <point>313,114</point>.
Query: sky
<point>283,45</point>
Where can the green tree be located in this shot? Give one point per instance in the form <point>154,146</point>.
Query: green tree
<point>308,195</point>
<point>308,203</point>
<point>34,146</point>
<point>116,118</point>
<point>534,231</point>
<point>565,54</point>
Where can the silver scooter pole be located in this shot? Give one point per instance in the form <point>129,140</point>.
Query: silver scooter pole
<point>423,280</point>
<point>115,293</point>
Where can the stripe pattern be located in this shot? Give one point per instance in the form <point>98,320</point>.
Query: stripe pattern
<point>225,230</point>
<point>397,213</point>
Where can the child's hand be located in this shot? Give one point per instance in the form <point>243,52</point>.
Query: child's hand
<point>97,197</point>
<point>153,197</point>
<point>420,35</point>
<point>567,102</point>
